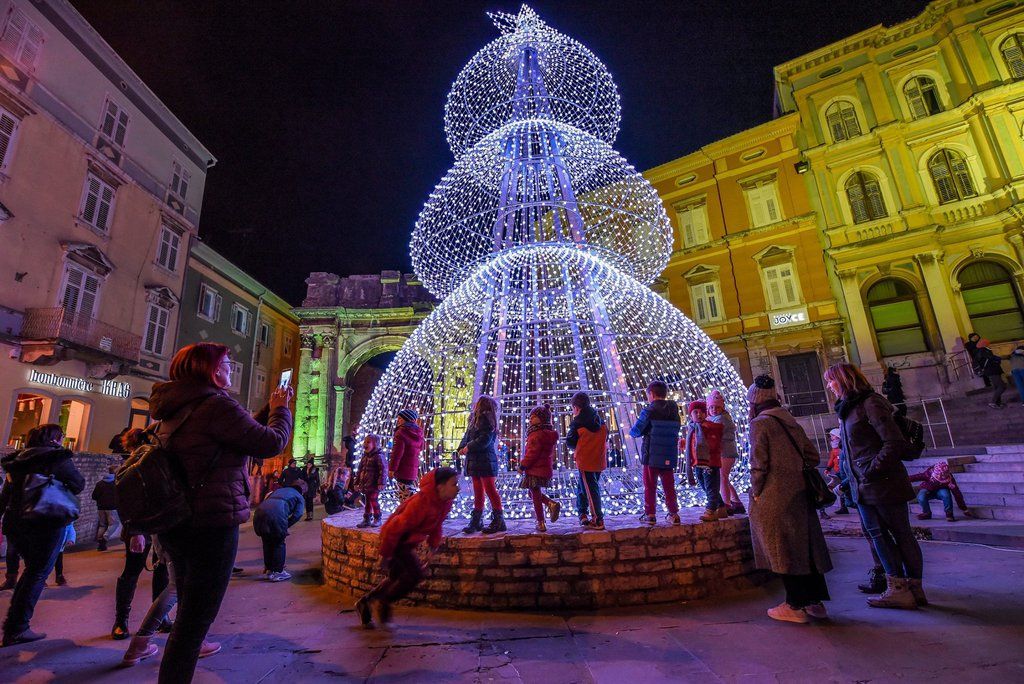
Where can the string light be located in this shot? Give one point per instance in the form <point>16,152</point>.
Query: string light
<point>542,240</point>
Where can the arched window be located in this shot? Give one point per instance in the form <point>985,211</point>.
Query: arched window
<point>992,301</point>
<point>922,97</point>
<point>865,197</point>
<point>892,305</point>
<point>842,121</point>
<point>1013,54</point>
<point>951,177</point>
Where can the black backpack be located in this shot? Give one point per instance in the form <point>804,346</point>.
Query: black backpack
<point>152,489</point>
<point>913,433</point>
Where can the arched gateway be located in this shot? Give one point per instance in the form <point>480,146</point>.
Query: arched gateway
<point>344,323</point>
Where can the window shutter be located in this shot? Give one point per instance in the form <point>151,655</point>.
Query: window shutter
<point>961,175</point>
<point>172,257</point>
<point>835,124</point>
<point>216,308</point>
<point>874,199</point>
<point>686,223</point>
<point>90,291</point>
<point>771,276</point>
<point>858,206</point>
<point>915,100</point>
<point>151,322</point>
<point>944,186</point>
<point>757,215</point>
<point>92,195</point>
<point>701,314</point>
<point>109,120</point>
<point>712,293</point>
<point>8,125</point>
<point>786,275</point>
<point>106,198</point>
<point>771,204</point>
<point>72,289</point>
<point>13,32</point>
<point>1013,56</point>
<point>31,47</point>
<point>850,120</point>
<point>700,224</point>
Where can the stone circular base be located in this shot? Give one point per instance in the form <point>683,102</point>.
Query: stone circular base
<point>566,567</point>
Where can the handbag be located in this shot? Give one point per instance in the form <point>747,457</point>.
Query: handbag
<point>817,489</point>
<point>45,499</point>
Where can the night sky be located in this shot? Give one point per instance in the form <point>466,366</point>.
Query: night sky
<point>327,117</point>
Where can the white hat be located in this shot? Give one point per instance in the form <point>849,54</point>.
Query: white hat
<point>834,432</point>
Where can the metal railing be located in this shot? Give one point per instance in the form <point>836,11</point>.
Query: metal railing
<point>931,413</point>
<point>59,324</point>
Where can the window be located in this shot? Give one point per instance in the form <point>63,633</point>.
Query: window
<point>264,334</point>
<point>30,411</point>
<point>261,386</point>
<point>22,40</point>
<point>8,127</point>
<point>763,201</point>
<point>841,118</point>
<point>74,421</point>
<point>236,377</point>
<point>693,223</point>
<point>179,180</point>
<point>781,286</point>
<point>951,177</point>
<point>992,302</point>
<point>707,302</point>
<point>80,292</point>
<point>156,329</point>
<point>287,345</point>
<point>167,253</point>
<point>97,203</point>
<point>865,196</point>
<point>922,97</point>
<point>892,305</point>
<point>209,303</point>
<point>240,319</point>
<point>115,123</point>
<point>1013,55</point>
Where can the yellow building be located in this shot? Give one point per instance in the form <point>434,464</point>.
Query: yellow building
<point>747,264</point>
<point>913,136</point>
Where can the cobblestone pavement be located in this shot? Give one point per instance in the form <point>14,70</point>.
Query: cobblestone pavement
<point>299,631</point>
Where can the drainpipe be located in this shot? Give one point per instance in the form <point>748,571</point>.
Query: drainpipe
<point>255,346</point>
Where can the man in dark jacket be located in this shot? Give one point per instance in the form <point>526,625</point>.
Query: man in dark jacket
<point>38,542</point>
<point>991,367</point>
<point>311,477</point>
<point>659,424</point>
<point>292,474</point>
<point>271,521</point>
<point>105,496</point>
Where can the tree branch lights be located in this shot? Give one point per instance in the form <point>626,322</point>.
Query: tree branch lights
<point>542,240</point>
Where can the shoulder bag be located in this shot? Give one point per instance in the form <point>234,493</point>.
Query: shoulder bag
<point>817,489</point>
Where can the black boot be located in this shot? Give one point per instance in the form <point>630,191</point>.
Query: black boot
<point>497,523</point>
<point>123,593</point>
<point>876,581</point>
<point>474,523</point>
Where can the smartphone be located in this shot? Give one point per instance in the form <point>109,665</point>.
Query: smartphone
<point>286,378</point>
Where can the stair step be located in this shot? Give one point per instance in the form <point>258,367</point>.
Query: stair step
<point>971,488</point>
<point>1005,466</point>
<point>1001,458</point>
<point>999,512</point>
<point>994,499</point>
<point>989,476</point>
<point>970,532</point>
<point>1006,449</point>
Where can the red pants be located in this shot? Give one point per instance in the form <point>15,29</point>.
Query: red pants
<point>539,499</point>
<point>371,507</point>
<point>483,485</point>
<point>668,483</point>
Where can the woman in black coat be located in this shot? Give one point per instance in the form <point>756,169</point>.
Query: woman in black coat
<point>38,542</point>
<point>873,445</point>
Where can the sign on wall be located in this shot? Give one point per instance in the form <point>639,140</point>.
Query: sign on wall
<point>788,317</point>
<point>110,388</point>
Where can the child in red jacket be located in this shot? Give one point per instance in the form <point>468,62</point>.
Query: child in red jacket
<point>702,447</point>
<point>536,464</point>
<point>417,519</point>
<point>404,464</point>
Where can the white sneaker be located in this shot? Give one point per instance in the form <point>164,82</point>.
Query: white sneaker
<point>279,576</point>
<point>786,613</point>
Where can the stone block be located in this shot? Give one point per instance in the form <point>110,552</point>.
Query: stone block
<point>603,554</point>
<point>563,570</point>
<point>702,546</point>
<point>512,558</point>
<point>543,557</point>
<point>596,537</point>
<point>527,573</point>
<point>555,587</point>
<point>653,566</point>
<point>630,552</point>
<point>712,559</point>
<point>581,556</point>
<point>630,534</point>
<point>530,542</point>
<point>686,562</point>
<point>496,573</point>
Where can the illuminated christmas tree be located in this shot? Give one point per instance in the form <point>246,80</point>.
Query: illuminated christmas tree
<point>541,242</point>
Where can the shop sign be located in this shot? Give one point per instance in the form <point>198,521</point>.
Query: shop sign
<point>788,318</point>
<point>110,388</point>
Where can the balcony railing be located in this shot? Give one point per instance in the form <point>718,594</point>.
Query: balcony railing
<point>60,325</point>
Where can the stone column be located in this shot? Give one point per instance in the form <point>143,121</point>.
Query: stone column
<point>860,327</point>
<point>940,295</point>
<point>342,400</point>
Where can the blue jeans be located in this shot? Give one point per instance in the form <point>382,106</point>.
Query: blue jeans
<point>588,496</point>
<point>38,546</point>
<point>942,494</point>
<point>1018,380</point>
<point>710,480</point>
<point>888,528</point>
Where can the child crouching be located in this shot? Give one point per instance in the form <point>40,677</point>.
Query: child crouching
<point>702,447</point>
<point>536,465</point>
<point>417,519</point>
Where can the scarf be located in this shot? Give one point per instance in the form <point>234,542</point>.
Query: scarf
<point>845,405</point>
<point>758,408</point>
<point>534,427</point>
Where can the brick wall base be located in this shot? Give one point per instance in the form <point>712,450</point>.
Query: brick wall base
<point>624,566</point>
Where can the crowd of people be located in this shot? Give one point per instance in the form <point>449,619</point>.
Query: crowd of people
<point>215,440</point>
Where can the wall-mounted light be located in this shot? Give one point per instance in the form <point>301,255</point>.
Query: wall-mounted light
<point>802,166</point>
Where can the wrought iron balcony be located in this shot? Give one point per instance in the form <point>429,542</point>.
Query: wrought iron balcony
<point>59,326</point>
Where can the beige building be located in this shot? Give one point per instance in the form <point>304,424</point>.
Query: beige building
<point>100,187</point>
<point>914,136</point>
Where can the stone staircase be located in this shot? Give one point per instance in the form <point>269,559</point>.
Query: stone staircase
<point>972,421</point>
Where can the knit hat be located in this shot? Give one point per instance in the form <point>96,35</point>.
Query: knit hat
<point>834,432</point>
<point>409,415</point>
<point>696,405</point>
<point>543,412</point>
<point>715,397</point>
<point>762,390</point>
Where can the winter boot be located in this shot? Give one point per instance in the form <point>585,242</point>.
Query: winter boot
<point>366,522</point>
<point>138,650</point>
<point>474,523</point>
<point>918,591</point>
<point>376,521</point>
<point>123,593</point>
<point>876,581</point>
<point>497,523</point>
<point>897,594</point>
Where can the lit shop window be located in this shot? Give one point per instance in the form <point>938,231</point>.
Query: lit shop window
<point>30,411</point>
<point>74,421</point>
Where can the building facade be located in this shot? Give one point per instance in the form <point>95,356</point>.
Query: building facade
<point>100,191</point>
<point>914,139</point>
<point>747,264</point>
<point>346,323</point>
<point>222,303</point>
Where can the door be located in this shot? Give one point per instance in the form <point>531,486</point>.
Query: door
<point>802,385</point>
